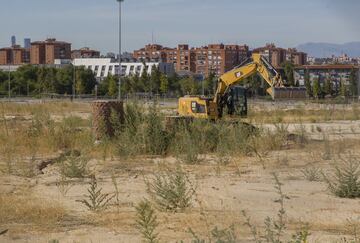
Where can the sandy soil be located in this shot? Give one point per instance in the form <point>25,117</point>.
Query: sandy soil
<point>222,192</point>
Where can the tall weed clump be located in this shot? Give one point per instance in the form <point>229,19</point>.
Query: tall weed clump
<point>171,190</point>
<point>344,180</point>
<point>146,222</point>
<point>156,138</point>
<point>130,139</point>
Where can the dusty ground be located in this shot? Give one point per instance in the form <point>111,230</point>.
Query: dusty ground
<point>222,192</point>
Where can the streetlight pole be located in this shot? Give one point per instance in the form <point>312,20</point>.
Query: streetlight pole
<point>74,80</point>
<point>9,83</point>
<point>120,68</point>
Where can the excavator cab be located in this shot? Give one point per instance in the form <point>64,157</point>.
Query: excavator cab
<point>236,104</point>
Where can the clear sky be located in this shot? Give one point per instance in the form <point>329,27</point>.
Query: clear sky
<point>93,23</point>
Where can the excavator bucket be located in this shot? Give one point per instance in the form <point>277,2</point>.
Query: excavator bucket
<point>287,93</point>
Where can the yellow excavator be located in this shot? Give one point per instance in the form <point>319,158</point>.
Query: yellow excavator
<point>212,107</point>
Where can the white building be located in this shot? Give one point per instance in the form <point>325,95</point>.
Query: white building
<point>102,67</point>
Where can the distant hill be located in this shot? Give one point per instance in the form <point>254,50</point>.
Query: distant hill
<point>352,49</point>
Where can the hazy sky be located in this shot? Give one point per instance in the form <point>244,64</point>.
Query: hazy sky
<point>94,23</point>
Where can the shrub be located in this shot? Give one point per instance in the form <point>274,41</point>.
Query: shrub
<point>155,137</point>
<point>146,222</point>
<point>74,166</point>
<point>97,200</point>
<point>312,173</point>
<point>186,146</point>
<point>344,181</point>
<point>226,235</point>
<point>171,190</point>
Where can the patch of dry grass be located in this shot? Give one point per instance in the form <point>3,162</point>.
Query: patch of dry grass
<point>24,209</point>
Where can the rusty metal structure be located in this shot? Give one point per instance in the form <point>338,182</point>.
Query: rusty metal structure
<point>107,116</point>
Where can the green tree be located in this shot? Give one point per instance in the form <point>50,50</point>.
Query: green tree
<point>328,89</point>
<point>210,83</point>
<point>316,88</point>
<point>113,86</point>
<point>164,84</point>
<point>24,79</point>
<point>85,81</point>
<point>343,88</point>
<point>289,72</point>
<point>65,79</point>
<point>353,82</point>
<point>144,84</point>
<point>155,81</point>
<point>189,86</point>
<point>174,84</point>
<point>308,84</point>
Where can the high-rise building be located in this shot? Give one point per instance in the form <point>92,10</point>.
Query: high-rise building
<point>45,52</point>
<point>27,43</point>
<point>13,40</point>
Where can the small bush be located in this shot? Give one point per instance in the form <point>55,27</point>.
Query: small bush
<point>226,235</point>
<point>146,222</point>
<point>171,190</point>
<point>97,200</point>
<point>344,181</point>
<point>312,173</point>
<point>74,166</point>
<point>186,146</point>
<point>156,138</point>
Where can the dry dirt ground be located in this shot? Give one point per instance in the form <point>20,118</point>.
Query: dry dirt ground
<point>222,192</point>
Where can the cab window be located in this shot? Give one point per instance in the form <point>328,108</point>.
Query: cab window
<point>197,108</point>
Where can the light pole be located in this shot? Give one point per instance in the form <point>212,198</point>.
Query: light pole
<point>120,68</point>
<point>9,83</point>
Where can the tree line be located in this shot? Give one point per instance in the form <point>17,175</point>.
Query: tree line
<point>36,80</point>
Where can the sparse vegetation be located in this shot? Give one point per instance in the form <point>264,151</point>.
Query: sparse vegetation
<point>96,200</point>
<point>74,166</point>
<point>275,227</point>
<point>45,148</point>
<point>146,222</point>
<point>25,209</point>
<point>171,190</point>
<point>312,173</point>
<point>344,180</point>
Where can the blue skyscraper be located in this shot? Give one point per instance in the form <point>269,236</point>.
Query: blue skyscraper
<point>13,40</point>
<point>27,43</point>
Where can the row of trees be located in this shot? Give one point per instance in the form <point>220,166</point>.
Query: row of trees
<point>332,88</point>
<point>35,80</point>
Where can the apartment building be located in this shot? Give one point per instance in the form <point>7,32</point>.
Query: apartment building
<point>85,52</point>
<point>45,52</point>
<point>296,57</point>
<point>151,52</point>
<point>276,56</point>
<point>14,55</point>
<point>214,58</point>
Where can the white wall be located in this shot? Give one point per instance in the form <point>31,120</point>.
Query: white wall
<point>102,67</point>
